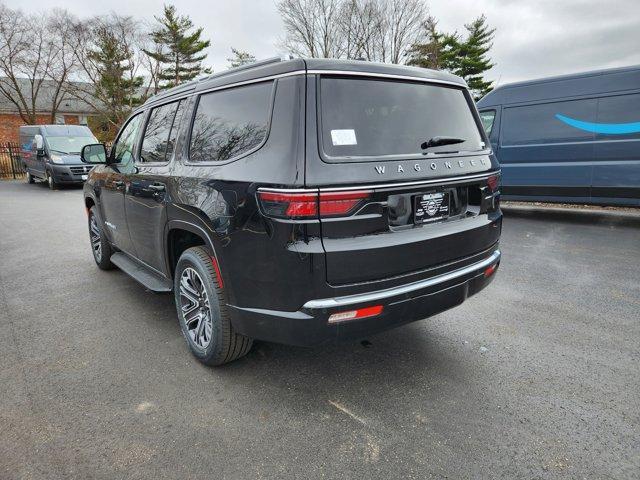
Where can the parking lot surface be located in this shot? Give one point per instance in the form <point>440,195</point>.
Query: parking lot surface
<point>536,377</point>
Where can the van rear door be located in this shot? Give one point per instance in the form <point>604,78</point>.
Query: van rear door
<point>404,177</point>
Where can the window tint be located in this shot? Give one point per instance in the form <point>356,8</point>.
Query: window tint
<point>621,109</point>
<point>230,122</point>
<point>370,117</point>
<point>123,148</point>
<point>539,124</point>
<point>488,117</point>
<point>160,134</point>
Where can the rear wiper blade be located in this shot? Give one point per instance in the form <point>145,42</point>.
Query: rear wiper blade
<point>440,141</point>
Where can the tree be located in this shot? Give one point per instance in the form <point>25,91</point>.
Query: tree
<point>178,48</point>
<point>473,59</point>
<point>108,61</point>
<point>35,61</point>
<point>466,57</point>
<point>240,58</point>
<point>375,30</point>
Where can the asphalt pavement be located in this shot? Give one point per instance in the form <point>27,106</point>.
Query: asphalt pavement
<point>538,376</point>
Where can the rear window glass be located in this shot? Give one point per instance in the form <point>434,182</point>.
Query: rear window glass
<point>373,118</point>
<point>229,123</point>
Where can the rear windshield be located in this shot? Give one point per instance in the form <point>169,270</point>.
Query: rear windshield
<point>374,118</point>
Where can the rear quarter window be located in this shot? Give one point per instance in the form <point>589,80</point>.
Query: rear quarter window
<point>375,118</point>
<point>231,123</point>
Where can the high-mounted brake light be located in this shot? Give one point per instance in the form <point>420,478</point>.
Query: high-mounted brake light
<point>355,314</point>
<point>311,204</point>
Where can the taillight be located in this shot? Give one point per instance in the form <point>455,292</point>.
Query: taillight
<point>297,205</point>
<point>493,182</point>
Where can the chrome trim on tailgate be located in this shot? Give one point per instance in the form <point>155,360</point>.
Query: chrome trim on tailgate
<point>392,292</point>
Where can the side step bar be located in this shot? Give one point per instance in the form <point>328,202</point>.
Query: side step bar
<point>140,273</point>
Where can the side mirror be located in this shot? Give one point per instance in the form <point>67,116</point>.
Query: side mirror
<point>39,145</point>
<point>95,153</point>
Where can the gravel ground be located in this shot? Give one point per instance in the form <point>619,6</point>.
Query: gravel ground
<point>536,377</point>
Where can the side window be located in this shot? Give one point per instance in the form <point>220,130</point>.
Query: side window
<point>487,117</point>
<point>160,133</point>
<point>547,122</point>
<point>230,122</point>
<point>619,116</point>
<point>123,148</point>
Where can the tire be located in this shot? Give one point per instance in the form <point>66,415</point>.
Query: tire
<point>100,246</point>
<point>51,181</point>
<point>29,177</point>
<point>208,332</point>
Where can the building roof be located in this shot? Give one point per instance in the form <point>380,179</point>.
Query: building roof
<point>69,104</point>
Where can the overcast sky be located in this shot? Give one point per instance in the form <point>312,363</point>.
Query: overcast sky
<point>534,38</point>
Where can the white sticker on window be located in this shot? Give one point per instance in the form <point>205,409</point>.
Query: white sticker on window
<point>344,137</point>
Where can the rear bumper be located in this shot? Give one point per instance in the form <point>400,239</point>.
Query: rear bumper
<point>402,304</point>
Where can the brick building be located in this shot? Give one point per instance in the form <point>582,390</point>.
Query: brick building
<point>72,111</point>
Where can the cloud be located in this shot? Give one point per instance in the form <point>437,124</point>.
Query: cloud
<point>533,39</point>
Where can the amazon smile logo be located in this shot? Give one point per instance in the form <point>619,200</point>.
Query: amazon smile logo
<point>603,128</point>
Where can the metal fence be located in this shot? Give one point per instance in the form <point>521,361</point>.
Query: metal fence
<point>10,164</point>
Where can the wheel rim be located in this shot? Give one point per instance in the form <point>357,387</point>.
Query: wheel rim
<point>195,309</point>
<point>94,235</point>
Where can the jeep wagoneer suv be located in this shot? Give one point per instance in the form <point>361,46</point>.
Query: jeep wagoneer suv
<point>300,201</point>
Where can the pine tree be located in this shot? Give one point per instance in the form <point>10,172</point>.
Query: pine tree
<point>111,60</point>
<point>240,58</point>
<point>179,51</point>
<point>466,58</point>
<point>472,56</point>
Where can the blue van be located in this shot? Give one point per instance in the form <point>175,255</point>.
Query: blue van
<point>572,139</point>
<point>52,153</point>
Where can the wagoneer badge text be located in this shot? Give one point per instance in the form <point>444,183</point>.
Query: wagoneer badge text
<point>449,165</point>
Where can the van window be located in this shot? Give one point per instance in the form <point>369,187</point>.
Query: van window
<point>160,133</point>
<point>539,124</point>
<point>229,123</point>
<point>68,145</point>
<point>123,148</point>
<point>373,117</point>
<point>488,117</point>
<point>621,109</point>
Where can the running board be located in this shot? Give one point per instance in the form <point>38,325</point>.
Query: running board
<point>144,275</point>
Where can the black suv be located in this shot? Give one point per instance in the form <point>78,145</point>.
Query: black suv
<point>300,201</point>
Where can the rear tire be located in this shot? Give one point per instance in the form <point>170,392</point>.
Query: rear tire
<point>29,178</point>
<point>202,311</point>
<point>100,246</point>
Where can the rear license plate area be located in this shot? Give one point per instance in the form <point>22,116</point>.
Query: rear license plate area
<point>430,207</point>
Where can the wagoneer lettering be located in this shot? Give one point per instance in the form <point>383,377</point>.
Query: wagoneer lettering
<point>300,201</point>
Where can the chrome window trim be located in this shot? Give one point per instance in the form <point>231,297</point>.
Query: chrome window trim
<point>401,290</point>
<point>385,75</point>
<point>379,186</point>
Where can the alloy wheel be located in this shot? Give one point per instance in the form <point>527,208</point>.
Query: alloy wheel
<point>195,308</point>
<point>94,236</point>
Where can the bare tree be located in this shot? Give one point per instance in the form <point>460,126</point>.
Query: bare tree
<point>375,30</point>
<point>312,27</point>
<point>26,57</point>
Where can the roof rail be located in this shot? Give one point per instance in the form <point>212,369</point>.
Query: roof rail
<point>248,66</point>
<point>193,83</point>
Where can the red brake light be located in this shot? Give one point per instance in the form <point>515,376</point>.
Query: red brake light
<point>490,270</point>
<point>493,181</point>
<point>307,205</point>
